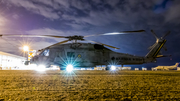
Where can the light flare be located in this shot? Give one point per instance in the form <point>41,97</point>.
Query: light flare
<point>26,48</point>
<point>69,68</point>
<point>41,68</point>
<point>113,67</point>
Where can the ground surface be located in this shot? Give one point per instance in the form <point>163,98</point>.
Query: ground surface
<point>89,85</point>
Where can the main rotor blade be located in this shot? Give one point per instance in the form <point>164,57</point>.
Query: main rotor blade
<point>115,33</point>
<point>53,36</point>
<point>154,34</point>
<point>16,35</point>
<point>166,34</point>
<point>58,43</point>
<point>102,44</point>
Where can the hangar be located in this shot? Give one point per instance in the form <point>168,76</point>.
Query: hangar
<point>9,61</point>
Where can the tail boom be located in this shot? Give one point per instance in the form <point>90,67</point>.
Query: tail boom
<point>153,53</point>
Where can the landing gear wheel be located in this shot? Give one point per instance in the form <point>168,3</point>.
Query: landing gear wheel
<point>108,68</point>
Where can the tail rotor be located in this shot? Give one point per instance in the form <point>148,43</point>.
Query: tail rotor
<point>166,34</point>
<point>156,47</point>
<point>159,39</point>
<point>154,34</point>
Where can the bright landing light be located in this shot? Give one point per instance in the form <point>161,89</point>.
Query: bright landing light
<point>69,68</point>
<point>113,68</point>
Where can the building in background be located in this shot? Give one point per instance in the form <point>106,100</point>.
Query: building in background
<point>153,69</point>
<point>9,61</point>
<point>31,53</point>
<point>144,68</point>
<point>124,68</point>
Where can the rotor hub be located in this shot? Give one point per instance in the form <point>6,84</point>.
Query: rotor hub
<point>159,40</point>
<point>75,37</point>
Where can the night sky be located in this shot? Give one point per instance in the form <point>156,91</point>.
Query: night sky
<point>86,17</point>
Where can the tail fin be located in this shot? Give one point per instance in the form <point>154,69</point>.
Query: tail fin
<point>176,64</point>
<point>155,49</point>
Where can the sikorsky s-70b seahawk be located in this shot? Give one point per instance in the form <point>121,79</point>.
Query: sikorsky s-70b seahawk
<point>90,55</point>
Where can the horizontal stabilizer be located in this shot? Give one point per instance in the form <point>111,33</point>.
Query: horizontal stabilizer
<point>159,56</point>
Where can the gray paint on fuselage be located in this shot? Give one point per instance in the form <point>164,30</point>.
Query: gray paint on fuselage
<point>126,58</point>
<point>90,56</point>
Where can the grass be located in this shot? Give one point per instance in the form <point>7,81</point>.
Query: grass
<point>89,85</point>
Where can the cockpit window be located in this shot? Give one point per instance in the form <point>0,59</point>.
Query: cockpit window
<point>45,53</point>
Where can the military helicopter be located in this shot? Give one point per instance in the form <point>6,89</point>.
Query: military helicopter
<point>90,55</point>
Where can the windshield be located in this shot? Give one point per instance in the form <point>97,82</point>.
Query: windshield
<point>45,53</point>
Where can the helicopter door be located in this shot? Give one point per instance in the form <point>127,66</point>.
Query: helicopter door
<point>105,57</point>
<point>98,57</point>
<point>59,57</point>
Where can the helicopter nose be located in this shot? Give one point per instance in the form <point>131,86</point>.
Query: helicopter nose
<point>33,59</point>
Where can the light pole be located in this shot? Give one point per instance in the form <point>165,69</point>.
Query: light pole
<point>26,49</point>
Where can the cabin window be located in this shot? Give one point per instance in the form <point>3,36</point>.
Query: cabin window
<point>71,54</point>
<point>97,46</point>
<point>113,58</point>
<point>45,53</point>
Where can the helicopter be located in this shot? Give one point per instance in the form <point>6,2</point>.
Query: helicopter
<point>78,54</point>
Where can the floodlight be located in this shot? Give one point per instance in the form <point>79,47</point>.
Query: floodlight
<point>26,48</point>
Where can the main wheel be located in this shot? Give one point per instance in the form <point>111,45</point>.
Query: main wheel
<point>108,68</point>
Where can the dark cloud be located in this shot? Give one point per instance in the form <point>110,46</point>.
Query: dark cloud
<point>85,17</point>
<point>103,12</point>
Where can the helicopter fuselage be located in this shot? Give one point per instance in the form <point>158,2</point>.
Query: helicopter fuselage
<point>83,55</point>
